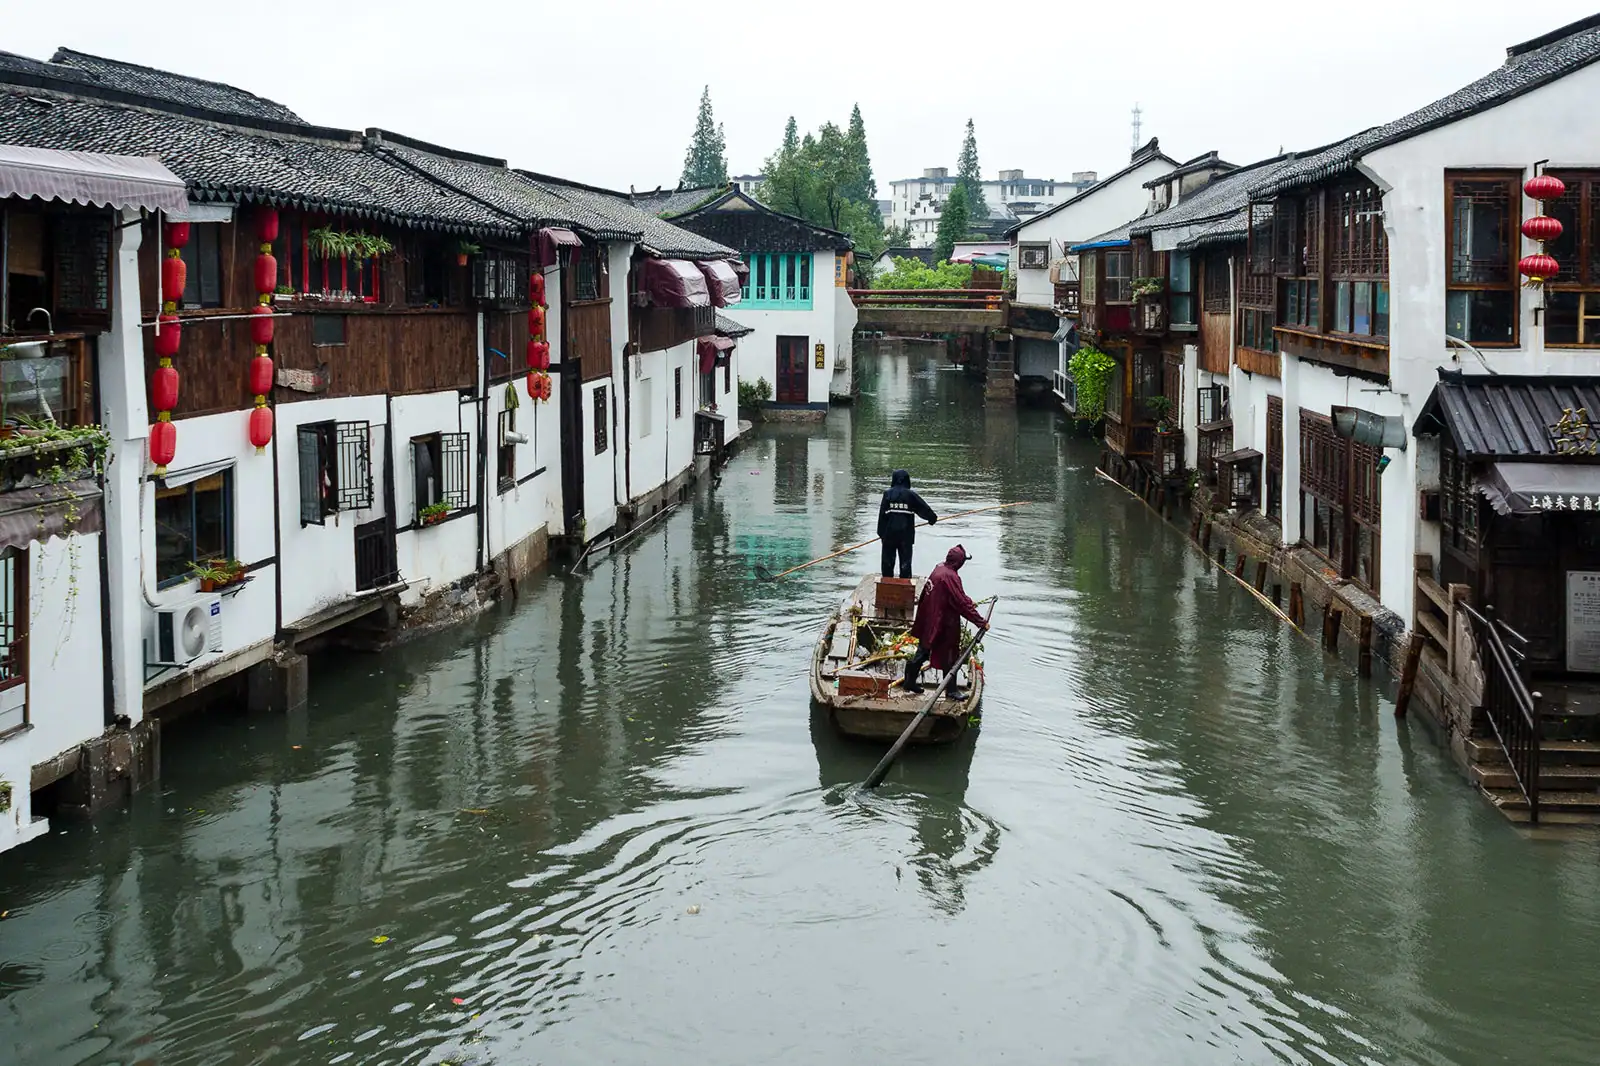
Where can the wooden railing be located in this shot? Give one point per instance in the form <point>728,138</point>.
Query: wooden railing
<point>1169,453</point>
<point>1116,436</point>
<point>1513,710</point>
<point>949,299</point>
<point>1213,439</point>
<point>1066,298</point>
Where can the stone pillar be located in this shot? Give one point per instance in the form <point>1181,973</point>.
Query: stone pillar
<point>1291,448</point>
<point>1000,382</point>
<point>111,767</point>
<point>1189,406</point>
<point>126,417</point>
<point>281,684</point>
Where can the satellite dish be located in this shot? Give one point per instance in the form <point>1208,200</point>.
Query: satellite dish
<point>192,634</point>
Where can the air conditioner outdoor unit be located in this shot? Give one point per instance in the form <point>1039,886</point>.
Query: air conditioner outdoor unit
<point>187,630</point>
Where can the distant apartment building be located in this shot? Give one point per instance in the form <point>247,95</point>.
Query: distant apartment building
<point>749,184</point>
<point>918,202</point>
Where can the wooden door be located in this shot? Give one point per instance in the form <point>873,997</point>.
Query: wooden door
<point>793,373</point>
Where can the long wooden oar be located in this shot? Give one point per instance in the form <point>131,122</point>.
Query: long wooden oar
<point>875,778</point>
<point>874,540</point>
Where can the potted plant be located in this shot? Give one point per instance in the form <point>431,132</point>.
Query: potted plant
<point>433,514</point>
<point>464,249</point>
<point>1161,410</point>
<point>1143,287</point>
<point>218,574</point>
<point>283,294</point>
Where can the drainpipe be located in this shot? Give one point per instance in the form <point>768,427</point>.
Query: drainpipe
<point>482,406</point>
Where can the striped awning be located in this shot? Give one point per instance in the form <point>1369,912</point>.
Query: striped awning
<point>94,179</point>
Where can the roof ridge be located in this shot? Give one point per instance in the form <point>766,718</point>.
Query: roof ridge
<point>380,136</point>
<point>1561,33</point>
<point>63,50</point>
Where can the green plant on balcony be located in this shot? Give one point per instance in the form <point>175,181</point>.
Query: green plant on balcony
<point>433,514</point>
<point>1091,371</point>
<point>217,574</point>
<point>1143,287</point>
<point>1160,408</point>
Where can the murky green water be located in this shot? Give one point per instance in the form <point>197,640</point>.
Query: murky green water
<point>1182,836</point>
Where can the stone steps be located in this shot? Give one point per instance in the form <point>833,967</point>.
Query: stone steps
<point>1569,781</point>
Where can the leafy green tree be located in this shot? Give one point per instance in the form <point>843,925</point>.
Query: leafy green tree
<point>969,176</point>
<point>954,224</point>
<point>915,274</point>
<point>826,178</point>
<point>863,188</point>
<point>706,161</point>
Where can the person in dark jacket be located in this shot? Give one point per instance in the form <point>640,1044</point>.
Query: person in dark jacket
<point>897,520</point>
<point>937,627</point>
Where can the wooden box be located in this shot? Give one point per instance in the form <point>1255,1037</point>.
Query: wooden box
<point>861,683</point>
<point>896,593</point>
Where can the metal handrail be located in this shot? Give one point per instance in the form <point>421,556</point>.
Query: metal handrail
<point>1512,708</point>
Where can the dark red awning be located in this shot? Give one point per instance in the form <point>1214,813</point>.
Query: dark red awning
<point>742,269</point>
<point>673,283</point>
<point>713,352</point>
<point>722,280</point>
<point>554,238</point>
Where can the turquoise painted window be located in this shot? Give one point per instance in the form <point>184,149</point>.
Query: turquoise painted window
<point>778,280</point>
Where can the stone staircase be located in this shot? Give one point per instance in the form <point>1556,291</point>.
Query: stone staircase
<point>1569,781</point>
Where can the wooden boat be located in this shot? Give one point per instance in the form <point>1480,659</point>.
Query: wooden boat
<point>856,676</point>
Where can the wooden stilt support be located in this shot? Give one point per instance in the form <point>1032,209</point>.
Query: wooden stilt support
<point>1332,619</point>
<point>1364,656</point>
<point>1277,594</point>
<point>1205,537</point>
<point>1238,565</point>
<point>1261,575</point>
<point>1297,605</point>
<point>1222,558</point>
<point>1194,526</point>
<point>1408,674</point>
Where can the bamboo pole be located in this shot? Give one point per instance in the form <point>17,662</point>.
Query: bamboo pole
<point>874,540</point>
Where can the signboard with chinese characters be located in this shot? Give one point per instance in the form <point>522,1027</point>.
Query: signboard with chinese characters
<point>822,356</point>
<point>1583,621</point>
<point>1548,502</point>
<point>1574,434</point>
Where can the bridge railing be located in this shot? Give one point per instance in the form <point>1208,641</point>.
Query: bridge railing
<point>931,299</point>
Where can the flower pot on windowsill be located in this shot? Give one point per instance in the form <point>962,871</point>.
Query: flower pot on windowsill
<point>432,518</point>
<point>461,259</point>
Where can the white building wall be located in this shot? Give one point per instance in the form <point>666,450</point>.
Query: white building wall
<point>319,561</point>
<point>1105,207</point>
<point>431,557</point>
<point>818,323</point>
<point>535,499</point>
<point>65,686</point>
<point>661,431</point>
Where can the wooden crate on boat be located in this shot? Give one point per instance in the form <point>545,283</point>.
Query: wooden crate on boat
<point>862,683</point>
<point>896,593</point>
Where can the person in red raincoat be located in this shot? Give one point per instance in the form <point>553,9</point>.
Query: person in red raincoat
<point>937,627</point>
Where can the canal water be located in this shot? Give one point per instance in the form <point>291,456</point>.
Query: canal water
<point>601,826</point>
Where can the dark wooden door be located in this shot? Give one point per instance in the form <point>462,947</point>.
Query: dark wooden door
<point>793,372</point>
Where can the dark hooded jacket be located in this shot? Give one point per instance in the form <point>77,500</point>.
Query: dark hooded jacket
<point>898,513</point>
<point>943,604</point>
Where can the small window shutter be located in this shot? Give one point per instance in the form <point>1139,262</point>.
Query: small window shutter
<point>425,481</point>
<point>355,466</point>
<point>310,479</point>
<point>82,269</point>
<point>453,450</point>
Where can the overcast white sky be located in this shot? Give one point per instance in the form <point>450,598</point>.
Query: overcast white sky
<point>605,91</point>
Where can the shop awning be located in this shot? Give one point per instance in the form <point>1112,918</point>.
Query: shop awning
<point>1240,455</point>
<point>1529,488</point>
<point>91,178</point>
<point>742,270</point>
<point>713,352</point>
<point>722,280</point>
<point>554,238</point>
<point>49,511</point>
<point>674,283</point>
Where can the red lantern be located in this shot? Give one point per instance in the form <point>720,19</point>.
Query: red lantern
<point>1542,228</point>
<point>164,388</point>
<point>1545,187</point>
<point>539,355</point>
<point>546,388</point>
<point>177,234</point>
<point>163,444</point>
<point>536,322</point>
<point>261,428</point>
<point>174,276</point>
<point>171,335</point>
<point>261,324</point>
<point>1539,268</point>
<point>261,375</point>
<point>267,224</point>
<point>266,273</point>
<point>533,385</point>
<point>536,288</point>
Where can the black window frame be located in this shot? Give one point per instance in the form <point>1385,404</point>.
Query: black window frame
<point>601,420</point>
<point>677,392</point>
<point>506,452</point>
<point>1467,293</point>
<point>202,257</point>
<point>341,453</point>
<point>14,565</point>
<point>1181,297</point>
<point>449,456</point>
<point>189,490</point>
<point>322,335</point>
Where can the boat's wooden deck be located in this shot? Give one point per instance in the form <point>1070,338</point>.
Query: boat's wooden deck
<point>847,653</point>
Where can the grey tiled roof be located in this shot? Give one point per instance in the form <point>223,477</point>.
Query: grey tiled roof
<point>624,217</point>
<point>176,88</point>
<point>1527,68</point>
<point>232,163</point>
<point>668,204</point>
<point>1223,195</point>
<point>729,328</point>
<point>1504,417</point>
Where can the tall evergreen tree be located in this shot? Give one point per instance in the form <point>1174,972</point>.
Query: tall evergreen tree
<point>969,176</point>
<point>863,188</point>
<point>706,161</point>
<point>954,223</point>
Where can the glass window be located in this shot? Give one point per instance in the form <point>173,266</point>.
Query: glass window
<point>1341,306</point>
<point>193,525</point>
<point>1181,290</point>
<point>203,257</point>
<point>1482,316</point>
<point>1483,288</point>
<point>13,620</point>
<point>1363,308</point>
<point>1119,277</point>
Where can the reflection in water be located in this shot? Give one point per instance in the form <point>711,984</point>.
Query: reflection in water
<point>601,825</point>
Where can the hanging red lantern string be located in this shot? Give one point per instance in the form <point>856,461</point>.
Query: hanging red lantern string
<point>168,337</point>
<point>1545,187</point>
<point>1542,228</point>
<point>261,328</point>
<point>1538,269</point>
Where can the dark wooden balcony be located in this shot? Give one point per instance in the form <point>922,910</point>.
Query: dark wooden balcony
<point>1150,314</point>
<point>1168,457</point>
<point>1066,299</point>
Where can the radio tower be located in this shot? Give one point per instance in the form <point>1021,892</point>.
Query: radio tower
<point>1136,126</point>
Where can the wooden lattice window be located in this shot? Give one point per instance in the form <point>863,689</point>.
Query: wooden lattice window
<point>1215,288</point>
<point>1297,236</point>
<point>1482,214</point>
<point>1572,300</point>
<point>1358,261</point>
<point>1458,501</point>
<point>1258,257</point>
<point>1118,280</point>
<point>1274,477</point>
